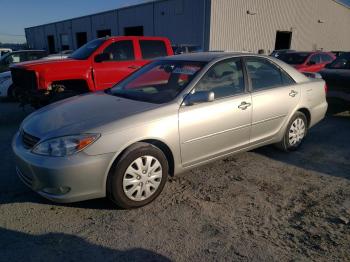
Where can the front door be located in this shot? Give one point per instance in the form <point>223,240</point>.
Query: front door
<point>121,64</point>
<point>212,129</point>
<point>274,94</point>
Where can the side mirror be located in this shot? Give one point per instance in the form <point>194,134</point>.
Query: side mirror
<point>102,57</point>
<point>311,63</point>
<point>199,97</point>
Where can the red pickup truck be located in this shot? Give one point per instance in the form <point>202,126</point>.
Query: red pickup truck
<point>98,65</point>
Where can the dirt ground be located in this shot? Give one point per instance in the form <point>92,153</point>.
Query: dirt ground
<point>264,205</point>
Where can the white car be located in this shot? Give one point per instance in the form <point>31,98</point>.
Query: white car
<point>4,51</point>
<point>5,84</point>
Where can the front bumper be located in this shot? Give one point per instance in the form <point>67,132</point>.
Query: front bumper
<point>62,179</point>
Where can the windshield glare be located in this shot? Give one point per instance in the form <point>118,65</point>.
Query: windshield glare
<point>294,58</point>
<point>86,50</point>
<point>159,82</point>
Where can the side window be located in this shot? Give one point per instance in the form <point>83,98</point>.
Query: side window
<point>264,74</point>
<point>16,58</point>
<point>34,56</point>
<point>286,79</point>
<point>315,59</point>
<point>152,49</point>
<point>224,79</point>
<point>120,51</point>
<point>326,58</point>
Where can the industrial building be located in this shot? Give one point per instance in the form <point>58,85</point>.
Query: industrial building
<point>235,25</point>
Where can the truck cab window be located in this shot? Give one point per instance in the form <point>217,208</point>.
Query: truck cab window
<point>121,51</point>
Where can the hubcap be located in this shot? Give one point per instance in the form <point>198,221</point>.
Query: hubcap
<point>142,178</point>
<point>296,131</point>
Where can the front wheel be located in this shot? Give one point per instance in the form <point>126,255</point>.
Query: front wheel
<point>295,133</point>
<point>139,176</point>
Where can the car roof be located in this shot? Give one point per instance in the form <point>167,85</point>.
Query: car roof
<point>205,56</point>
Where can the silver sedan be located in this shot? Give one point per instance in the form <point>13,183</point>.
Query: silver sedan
<point>170,116</point>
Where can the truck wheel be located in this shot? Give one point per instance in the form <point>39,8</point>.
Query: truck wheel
<point>139,176</point>
<point>11,95</point>
<point>62,95</point>
<point>295,133</point>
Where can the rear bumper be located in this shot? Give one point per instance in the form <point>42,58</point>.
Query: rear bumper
<point>318,113</point>
<point>62,179</point>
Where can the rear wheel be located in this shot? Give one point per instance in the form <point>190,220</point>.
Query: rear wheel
<point>295,133</point>
<point>139,176</point>
<point>11,93</point>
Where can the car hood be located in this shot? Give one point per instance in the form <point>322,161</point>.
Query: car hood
<point>47,63</point>
<point>81,114</point>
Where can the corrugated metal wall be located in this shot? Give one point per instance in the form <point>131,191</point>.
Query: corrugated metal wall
<point>137,16</point>
<point>82,24</point>
<point>180,20</point>
<point>216,24</point>
<point>103,21</point>
<point>231,28</point>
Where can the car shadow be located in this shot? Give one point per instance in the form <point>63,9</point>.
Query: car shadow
<point>326,149</point>
<point>18,246</point>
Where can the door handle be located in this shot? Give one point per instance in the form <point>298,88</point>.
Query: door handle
<point>134,67</point>
<point>293,93</point>
<point>244,105</point>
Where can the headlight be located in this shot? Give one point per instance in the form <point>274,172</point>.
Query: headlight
<point>65,145</point>
<point>4,79</point>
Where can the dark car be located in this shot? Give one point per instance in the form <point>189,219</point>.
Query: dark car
<point>20,56</point>
<point>337,77</point>
<point>277,53</point>
<point>338,53</point>
<point>184,49</point>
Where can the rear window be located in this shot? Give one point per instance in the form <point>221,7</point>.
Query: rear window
<point>152,49</point>
<point>294,58</point>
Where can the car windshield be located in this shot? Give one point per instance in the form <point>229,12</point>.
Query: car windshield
<point>86,50</point>
<point>294,58</point>
<point>159,82</point>
<point>342,62</point>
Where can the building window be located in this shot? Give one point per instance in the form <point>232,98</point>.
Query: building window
<point>103,33</point>
<point>133,31</point>
<point>81,38</point>
<point>64,42</point>
<point>51,44</point>
<point>120,51</point>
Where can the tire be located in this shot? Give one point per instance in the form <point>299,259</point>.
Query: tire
<point>62,95</point>
<point>138,188</point>
<point>295,133</point>
<point>11,96</point>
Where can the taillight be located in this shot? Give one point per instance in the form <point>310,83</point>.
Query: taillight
<point>325,88</point>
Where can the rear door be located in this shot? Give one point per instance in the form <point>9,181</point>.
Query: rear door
<point>274,96</point>
<point>121,64</point>
<point>326,59</point>
<point>314,63</point>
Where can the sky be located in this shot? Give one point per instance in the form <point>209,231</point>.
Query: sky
<point>15,15</point>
